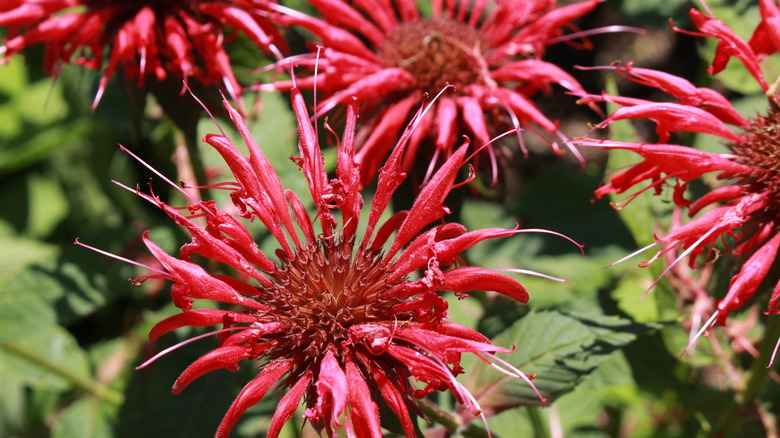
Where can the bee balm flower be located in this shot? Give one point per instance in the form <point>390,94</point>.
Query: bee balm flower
<point>743,210</point>
<point>339,319</point>
<point>391,57</point>
<point>144,38</point>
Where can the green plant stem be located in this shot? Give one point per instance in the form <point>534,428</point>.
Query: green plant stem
<point>91,387</point>
<point>759,374</point>
<point>450,421</point>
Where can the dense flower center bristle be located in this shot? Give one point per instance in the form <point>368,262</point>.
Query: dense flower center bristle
<point>436,53</point>
<point>322,292</point>
<point>761,151</point>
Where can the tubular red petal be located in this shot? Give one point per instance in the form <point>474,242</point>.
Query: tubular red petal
<point>332,390</point>
<point>743,285</point>
<point>197,318</point>
<point>287,405</point>
<point>192,281</point>
<point>252,393</point>
<point>429,205</point>
<point>473,278</point>
<point>364,413</point>
<point>222,357</point>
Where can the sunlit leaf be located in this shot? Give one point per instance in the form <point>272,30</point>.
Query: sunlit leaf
<point>559,348</point>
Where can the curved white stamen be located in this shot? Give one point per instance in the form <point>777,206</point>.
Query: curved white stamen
<point>677,260</point>
<point>114,256</point>
<point>554,233</point>
<point>596,31</point>
<point>187,341</point>
<point>706,326</point>
<point>205,108</point>
<point>640,250</point>
<point>431,167</point>
<point>513,371</point>
<point>491,141</point>
<point>534,273</point>
<point>458,387</point>
<point>774,353</point>
<point>164,178</point>
<point>569,145</point>
<point>314,90</point>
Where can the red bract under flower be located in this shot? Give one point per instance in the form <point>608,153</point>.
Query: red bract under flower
<point>743,212</point>
<point>335,318</point>
<point>391,58</point>
<point>144,38</point>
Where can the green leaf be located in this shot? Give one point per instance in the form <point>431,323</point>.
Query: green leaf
<point>47,206</point>
<point>85,418</point>
<point>559,348</point>
<point>23,309</point>
<point>48,358</point>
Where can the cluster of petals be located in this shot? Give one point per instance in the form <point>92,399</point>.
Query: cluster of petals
<point>141,38</point>
<point>339,316</point>
<point>392,58</point>
<point>743,211</point>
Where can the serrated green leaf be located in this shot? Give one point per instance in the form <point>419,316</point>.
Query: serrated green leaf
<point>559,348</point>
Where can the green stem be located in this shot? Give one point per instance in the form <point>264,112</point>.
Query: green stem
<point>100,391</point>
<point>759,374</point>
<point>452,422</point>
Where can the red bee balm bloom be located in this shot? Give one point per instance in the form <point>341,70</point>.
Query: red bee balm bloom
<point>337,314</point>
<point>744,211</point>
<point>394,58</point>
<point>182,37</point>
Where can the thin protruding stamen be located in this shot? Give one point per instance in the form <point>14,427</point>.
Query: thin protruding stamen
<point>512,371</point>
<point>554,233</point>
<point>570,146</point>
<point>706,8</point>
<point>459,388</point>
<point>314,90</point>
<point>774,353</point>
<point>677,260</point>
<point>431,167</point>
<point>596,31</point>
<point>534,273</point>
<point>639,251</point>
<point>164,178</point>
<point>120,258</point>
<point>491,141</point>
<point>187,341</point>
<point>706,326</point>
<point>205,108</point>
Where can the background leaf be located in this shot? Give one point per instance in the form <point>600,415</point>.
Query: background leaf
<point>559,348</point>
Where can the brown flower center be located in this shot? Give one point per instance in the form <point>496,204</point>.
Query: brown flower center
<point>761,151</point>
<point>322,292</point>
<point>436,53</point>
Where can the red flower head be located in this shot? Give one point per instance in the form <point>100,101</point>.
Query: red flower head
<point>391,58</point>
<point>743,210</point>
<point>339,318</point>
<point>158,38</point>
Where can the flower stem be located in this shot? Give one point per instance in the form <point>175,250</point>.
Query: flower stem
<point>102,392</point>
<point>759,374</point>
<point>452,422</point>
